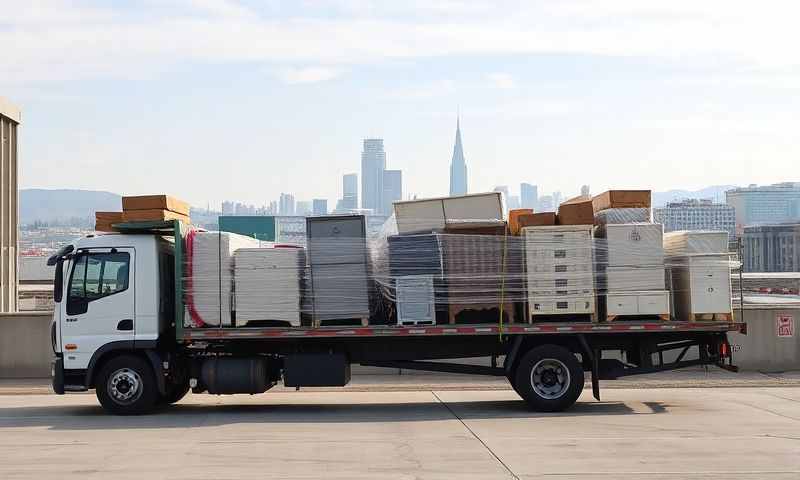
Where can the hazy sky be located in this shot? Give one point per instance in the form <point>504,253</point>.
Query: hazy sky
<point>213,100</point>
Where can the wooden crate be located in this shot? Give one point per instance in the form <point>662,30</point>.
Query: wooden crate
<point>509,312</point>
<point>154,215</point>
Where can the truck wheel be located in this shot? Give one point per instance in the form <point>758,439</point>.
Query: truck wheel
<point>126,385</point>
<point>549,378</point>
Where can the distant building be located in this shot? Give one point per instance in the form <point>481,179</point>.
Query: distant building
<point>302,208</point>
<point>458,166</point>
<point>529,196</point>
<point>320,206</point>
<point>771,248</point>
<point>769,204</point>
<point>286,205</point>
<point>692,214</point>
<point>228,208</point>
<point>585,191</point>
<point>349,200</point>
<point>9,209</point>
<point>513,202</point>
<point>557,199</point>
<point>546,204</point>
<point>373,164</point>
<point>392,190</point>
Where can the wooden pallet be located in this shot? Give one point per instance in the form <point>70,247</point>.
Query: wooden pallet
<point>363,321</point>
<point>711,317</point>
<point>664,317</point>
<point>455,309</point>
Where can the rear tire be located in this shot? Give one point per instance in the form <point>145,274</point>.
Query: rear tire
<point>126,385</point>
<point>549,378</point>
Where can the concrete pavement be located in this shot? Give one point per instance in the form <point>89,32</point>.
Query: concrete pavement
<point>688,433</point>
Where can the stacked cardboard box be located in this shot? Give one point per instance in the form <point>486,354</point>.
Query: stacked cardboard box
<point>104,220</point>
<point>154,208</point>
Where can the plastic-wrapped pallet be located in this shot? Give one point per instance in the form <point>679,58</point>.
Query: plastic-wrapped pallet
<point>560,274</point>
<point>209,275</point>
<point>481,272</point>
<point>631,271</point>
<point>268,284</point>
<point>700,269</point>
<point>623,215</point>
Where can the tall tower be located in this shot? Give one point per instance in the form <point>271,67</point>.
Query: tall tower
<point>458,167</point>
<point>373,164</point>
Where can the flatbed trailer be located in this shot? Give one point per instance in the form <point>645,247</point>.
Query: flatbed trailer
<point>153,359</point>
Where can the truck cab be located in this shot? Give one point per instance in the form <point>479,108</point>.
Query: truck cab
<point>113,296</point>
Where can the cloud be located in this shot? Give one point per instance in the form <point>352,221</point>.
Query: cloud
<point>294,76</point>
<point>503,81</point>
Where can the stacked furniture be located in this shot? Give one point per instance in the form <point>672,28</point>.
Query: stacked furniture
<point>560,277</point>
<point>434,214</point>
<point>338,259</point>
<point>268,284</point>
<point>699,264</point>
<point>631,271</point>
<point>415,268</point>
<point>209,276</point>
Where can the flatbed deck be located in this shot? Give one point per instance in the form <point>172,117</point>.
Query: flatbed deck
<point>193,334</point>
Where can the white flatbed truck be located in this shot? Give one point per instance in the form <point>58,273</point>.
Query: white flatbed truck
<point>118,328</point>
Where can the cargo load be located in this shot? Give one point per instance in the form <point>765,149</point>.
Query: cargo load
<point>700,272</point>
<point>576,211</point>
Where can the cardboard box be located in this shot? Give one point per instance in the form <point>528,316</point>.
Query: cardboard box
<point>104,220</point>
<point>513,219</point>
<point>153,215</point>
<point>155,202</point>
<point>621,199</point>
<point>537,219</point>
<point>576,211</point>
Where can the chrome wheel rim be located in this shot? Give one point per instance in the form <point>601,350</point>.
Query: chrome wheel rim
<point>550,378</point>
<point>125,386</point>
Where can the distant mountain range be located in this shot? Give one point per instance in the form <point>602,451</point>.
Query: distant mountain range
<point>61,206</point>
<point>716,193</point>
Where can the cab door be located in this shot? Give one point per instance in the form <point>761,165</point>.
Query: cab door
<point>98,306</point>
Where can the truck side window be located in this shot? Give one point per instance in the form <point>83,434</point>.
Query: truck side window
<point>96,275</point>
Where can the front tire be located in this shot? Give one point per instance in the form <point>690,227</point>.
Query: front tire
<point>126,385</point>
<point>549,378</point>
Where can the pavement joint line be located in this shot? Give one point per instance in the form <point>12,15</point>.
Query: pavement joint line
<point>445,405</point>
<point>768,411</point>
<point>783,398</point>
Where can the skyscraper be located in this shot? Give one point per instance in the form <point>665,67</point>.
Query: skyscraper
<point>302,208</point>
<point>768,204</point>
<point>349,192</point>
<point>286,204</point>
<point>320,206</point>
<point>392,190</point>
<point>458,166</point>
<point>373,164</point>
<point>529,196</point>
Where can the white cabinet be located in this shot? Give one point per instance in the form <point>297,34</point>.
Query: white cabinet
<point>702,285</point>
<point>415,300</point>
<point>638,303</point>
<point>560,275</point>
